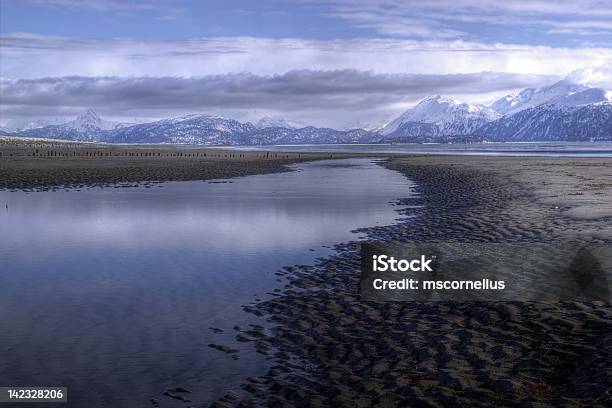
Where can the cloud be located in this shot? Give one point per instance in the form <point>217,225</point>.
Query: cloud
<point>599,76</point>
<point>99,5</point>
<point>26,55</point>
<point>464,19</point>
<point>328,97</point>
<point>157,9</point>
<point>432,19</point>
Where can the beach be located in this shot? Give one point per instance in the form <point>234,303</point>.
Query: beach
<point>328,347</point>
<point>357,353</point>
<point>364,203</point>
<point>44,164</point>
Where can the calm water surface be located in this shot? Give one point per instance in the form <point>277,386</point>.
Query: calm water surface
<point>111,292</point>
<point>551,149</point>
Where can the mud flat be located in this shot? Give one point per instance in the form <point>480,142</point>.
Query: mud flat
<point>330,348</point>
<point>46,164</point>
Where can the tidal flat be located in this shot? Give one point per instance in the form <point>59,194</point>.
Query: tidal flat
<point>478,354</point>
<point>324,346</point>
<point>137,288</point>
<point>48,164</point>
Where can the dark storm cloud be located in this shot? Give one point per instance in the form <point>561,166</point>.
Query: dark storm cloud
<point>294,90</point>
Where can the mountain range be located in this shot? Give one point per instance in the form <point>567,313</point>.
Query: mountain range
<point>563,111</point>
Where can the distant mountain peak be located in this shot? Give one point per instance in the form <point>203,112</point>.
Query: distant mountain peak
<point>20,125</point>
<point>430,98</point>
<point>566,86</point>
<point>584,77</point>
<point>439,100</point>
<point>568,109</point>
<point>89,122</point>
<point>567,92</point>
<point>273,121</point>
<point>446,115</point>
<point>89,117</point>
<point>370,125</point>
<point>89,113</point>
<point>192,116</point>
<point>511,101</point>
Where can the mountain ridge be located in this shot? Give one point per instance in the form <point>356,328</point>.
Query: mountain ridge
<point>445,117</point>
<point>565,110</point>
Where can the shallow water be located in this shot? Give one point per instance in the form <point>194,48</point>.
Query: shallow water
<point>111,291</point>
<point>530,149</point>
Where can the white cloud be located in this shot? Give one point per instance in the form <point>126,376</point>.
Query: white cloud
<point>599,76</point>
<point>32,56</point>
<point>98,5</point>
<point>323,82</point>
<point>440,18</point>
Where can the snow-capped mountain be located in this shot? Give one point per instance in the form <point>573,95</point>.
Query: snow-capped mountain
<point>21,125</point>
<point>566,110</point>
<point>87,126</point>
<point>371,125</point>
<point>565,93</point>
<point>262,119</point>
<point>309,135</point>
<point>563,111</point>
<point>512,101</point>
<point>273,122</point>
<point>214,130</point>
<point>89,121</point>
<point>190,129</point>
<point>552,122</point>
<point>437,116</point>
<point>197,129</point>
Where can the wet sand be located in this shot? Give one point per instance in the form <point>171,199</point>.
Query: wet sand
<point>333,349</point>
<point>330,348</point>
<point>43,164</point>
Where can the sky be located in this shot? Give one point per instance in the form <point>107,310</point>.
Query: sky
<point>326,63</point>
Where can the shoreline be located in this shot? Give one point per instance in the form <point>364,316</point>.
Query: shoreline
<point>331,348</point>
<point>43,165</point>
